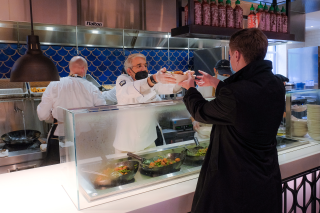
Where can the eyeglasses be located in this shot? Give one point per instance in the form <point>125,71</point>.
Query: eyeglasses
<point>140,65</point>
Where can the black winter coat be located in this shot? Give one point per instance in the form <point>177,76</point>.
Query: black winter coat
<point>240,173</point>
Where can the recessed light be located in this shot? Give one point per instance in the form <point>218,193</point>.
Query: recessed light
<point>49,28</point>
<point>95,31</point>
<point>311,26</point>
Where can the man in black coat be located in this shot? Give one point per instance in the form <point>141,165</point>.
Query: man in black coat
<point>240,172</point>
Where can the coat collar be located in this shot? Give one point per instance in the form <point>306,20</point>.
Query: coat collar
<point>250,70</point>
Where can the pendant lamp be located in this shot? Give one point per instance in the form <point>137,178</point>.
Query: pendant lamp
<point>33,65</point>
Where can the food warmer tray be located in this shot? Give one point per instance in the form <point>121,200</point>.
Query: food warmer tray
<point>40,84</point>
<point>12,89</point>
<point>140,180</point>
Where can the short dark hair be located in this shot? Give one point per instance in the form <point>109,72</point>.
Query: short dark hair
<point>251,43</point>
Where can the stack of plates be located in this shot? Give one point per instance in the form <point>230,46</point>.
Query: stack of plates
<point>313,117</point>
<point>299,127</point>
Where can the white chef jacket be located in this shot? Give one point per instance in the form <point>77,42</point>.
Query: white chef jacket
<point>136,129</point>
<point>69,92</point>
<point>110,96</point>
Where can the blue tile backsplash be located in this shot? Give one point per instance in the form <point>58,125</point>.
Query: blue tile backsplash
<point>104,64</point>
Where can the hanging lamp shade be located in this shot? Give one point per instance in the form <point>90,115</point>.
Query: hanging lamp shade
<point>33,65</point>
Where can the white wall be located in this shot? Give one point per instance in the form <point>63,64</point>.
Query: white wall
<point>312,38</point>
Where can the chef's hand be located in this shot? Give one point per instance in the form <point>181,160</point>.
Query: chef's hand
<point>196,125</point>
<point>163,77</point>
<point>187,83</point>
<point>207,80</point>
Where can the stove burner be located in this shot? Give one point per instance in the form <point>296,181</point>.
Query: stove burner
<point>19,147</point>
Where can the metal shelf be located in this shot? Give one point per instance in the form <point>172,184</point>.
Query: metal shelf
<point>222,33</point>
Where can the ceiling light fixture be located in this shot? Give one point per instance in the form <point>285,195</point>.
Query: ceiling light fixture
<point>33,65</point>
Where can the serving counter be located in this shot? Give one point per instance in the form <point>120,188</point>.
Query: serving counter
<point>40,190</point>
<point>87,154</point>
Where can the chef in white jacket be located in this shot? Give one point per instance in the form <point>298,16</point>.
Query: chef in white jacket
<point>136,130</point>
<point>70,92</point>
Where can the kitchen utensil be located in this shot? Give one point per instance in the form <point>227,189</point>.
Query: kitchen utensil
<point>191,153</point>
<point>107,176</point>
<point>21,137</point>
<point>145,163</point>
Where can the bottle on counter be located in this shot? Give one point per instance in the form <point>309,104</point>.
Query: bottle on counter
<point>279,20</point>
<point>273,20</point>
<point>284,20</point>
<point>197,12</point>
<point>186,9</point>
<point>260,17</point>
<point>266,10</point>
<point>229,15</point>
<point>214,14</point>
<point>238,16</point>
<point>252,18</point>
<point>222,14</point>
<point>206,13</point>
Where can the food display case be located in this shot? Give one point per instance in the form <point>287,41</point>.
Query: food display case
<point>95,174</point>
<point>88,151</point>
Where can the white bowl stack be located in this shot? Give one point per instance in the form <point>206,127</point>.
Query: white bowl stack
<point>313,116</point>
<point>299,127</point>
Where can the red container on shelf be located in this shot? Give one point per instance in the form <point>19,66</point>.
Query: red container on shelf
<point>279,20</point>
<point>238,16</point>
<point>261,16</point>
<point>214,14</point>
<point>273,20</point>
<point>267,27</point>
<point>197,13</point>
<point>222,14</point>
<point>186,9</point>
<point>252,18</point>
<point>284,20</point>
<point>206,13</point>
<point>229,15</point>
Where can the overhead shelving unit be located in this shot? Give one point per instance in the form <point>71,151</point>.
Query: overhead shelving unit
<point>200,31</point>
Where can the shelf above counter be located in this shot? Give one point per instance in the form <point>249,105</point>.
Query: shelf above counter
<point>209,32</point>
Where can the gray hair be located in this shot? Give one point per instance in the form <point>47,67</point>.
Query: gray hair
<point>128,62</point>
<point>79,60</point>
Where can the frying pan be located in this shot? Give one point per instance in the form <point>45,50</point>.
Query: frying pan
<point>191,153</point>
<point>160,170</point>
<point>106,176</point>
<point>19,137</point>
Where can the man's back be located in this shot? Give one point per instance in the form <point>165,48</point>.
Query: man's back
<point>69,92</point>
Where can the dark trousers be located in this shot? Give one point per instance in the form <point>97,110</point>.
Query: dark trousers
<point>53,155</point>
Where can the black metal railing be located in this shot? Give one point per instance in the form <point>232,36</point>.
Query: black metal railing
<point>301,192</point>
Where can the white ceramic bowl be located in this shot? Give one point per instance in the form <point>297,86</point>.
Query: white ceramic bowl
<point>180,77</point>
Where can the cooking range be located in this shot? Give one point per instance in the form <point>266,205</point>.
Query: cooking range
<point>20,157</point>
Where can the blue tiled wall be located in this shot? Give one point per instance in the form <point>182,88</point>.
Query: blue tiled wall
<point>104,64</point>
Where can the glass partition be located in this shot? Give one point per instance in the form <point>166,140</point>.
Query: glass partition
<point>97,140</point>
<point>94,150</point>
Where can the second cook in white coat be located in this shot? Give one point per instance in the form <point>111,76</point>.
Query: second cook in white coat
<point>136,130</point>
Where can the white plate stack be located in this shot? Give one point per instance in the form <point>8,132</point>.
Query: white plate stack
<point>299,127</point>
<point>313,116</point>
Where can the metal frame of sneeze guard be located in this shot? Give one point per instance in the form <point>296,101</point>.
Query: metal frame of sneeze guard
<point>82,151</point>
